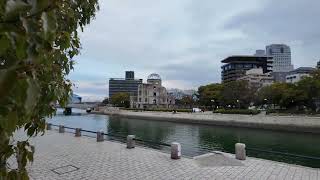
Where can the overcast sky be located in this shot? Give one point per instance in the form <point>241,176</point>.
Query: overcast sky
<point>185,40</point>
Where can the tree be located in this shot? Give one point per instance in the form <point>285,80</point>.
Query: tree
<point>186,100</point>
<point>310,86</point>
<point>237,93</point>
<point>38,39</point>
<point>105,101</point>
<point>120,99</point>
<point>208,93</point>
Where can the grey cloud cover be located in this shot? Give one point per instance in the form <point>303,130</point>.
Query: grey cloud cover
<point>185,40</point>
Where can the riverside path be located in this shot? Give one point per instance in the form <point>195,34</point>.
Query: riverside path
<point>63,156</point>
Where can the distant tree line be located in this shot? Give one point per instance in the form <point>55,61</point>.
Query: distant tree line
<point>238,94</point>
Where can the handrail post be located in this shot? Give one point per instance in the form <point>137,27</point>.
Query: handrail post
<point>131,141</point>
<point>240,150</point>
<point>48,127</point>
<point>175,150</point>
<point>78,132</point>
<point>100,135</point>
<point>61,129</point>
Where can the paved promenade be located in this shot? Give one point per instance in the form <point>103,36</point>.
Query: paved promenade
<point>63,156</point>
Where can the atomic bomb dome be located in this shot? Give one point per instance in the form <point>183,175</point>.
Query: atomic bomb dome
<point>154,76</point>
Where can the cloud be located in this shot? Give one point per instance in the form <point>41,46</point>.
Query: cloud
<point>185,40</point>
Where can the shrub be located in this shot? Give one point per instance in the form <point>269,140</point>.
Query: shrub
<point>237,111</point>
<point>158,110</point>
<point>290,111</point>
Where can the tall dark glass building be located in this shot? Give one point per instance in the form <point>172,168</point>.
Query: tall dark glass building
<point>127,84</point>
<point>236,66</point>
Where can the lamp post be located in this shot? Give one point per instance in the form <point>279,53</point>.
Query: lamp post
<point>213,102</point>
<point>238,103</point>
<point>266,102</point>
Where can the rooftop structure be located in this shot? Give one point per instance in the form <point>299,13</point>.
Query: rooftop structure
<point>126,85</point>
<point>297,74</point>
<point>260,52</point>
<point>129,75</point>
<point>236,66</point>
<point>257,79</point>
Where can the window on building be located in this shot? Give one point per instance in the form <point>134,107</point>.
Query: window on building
<point>154,94</point>
<point>154,101</point>
<point>146,100</point>
<point>139,99</point>
<point>281,50</point>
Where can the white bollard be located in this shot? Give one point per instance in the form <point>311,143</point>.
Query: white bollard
<point>78,132</point>
<point>240,149</point>
<point>61,129</point>
<point>175,150</point>
<point>100,135</point>
<point>130,141</point>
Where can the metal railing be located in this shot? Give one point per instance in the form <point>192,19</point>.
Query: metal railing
<point>113,135</point>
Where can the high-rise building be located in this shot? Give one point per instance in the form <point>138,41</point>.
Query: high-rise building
<point>126,85</point>
<point>318,65</point>
<point>236,66</point>
<point>281,54</point>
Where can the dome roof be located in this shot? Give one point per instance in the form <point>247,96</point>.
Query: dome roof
<point>154,76</point>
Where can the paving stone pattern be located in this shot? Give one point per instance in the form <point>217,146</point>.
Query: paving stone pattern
<point>84,158</point>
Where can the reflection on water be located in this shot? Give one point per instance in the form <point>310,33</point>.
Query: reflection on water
<point>199,139</point>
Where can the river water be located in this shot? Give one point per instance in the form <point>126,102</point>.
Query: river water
<point>199,139</point>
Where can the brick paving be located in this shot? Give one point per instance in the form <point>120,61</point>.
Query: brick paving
<point>63,156</point>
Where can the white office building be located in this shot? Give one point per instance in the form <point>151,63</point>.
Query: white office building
<point>281,54</point>
<point>297,74</point>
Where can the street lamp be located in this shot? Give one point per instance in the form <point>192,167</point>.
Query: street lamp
<point>238,103</point>
<point>213,102</point>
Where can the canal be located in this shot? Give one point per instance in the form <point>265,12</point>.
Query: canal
<point>199,139</point>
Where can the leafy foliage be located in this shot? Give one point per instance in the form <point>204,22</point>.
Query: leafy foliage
<point>301,94</point>
<point>187,100</point>
<point>237,93</point>
<point>121,99</point>
<point>208,93</point>
<point>38,39</point>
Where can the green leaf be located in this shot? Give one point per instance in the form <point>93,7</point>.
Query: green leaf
<point>4,44</point>
<point>21,47</point>
<point>10,125</point>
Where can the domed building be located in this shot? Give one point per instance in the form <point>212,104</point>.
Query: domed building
<point>152,95</point>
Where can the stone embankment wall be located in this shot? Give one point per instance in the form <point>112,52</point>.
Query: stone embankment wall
<point>261,121</point>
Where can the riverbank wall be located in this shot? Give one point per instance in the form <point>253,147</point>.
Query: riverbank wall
<point>261,121</point>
